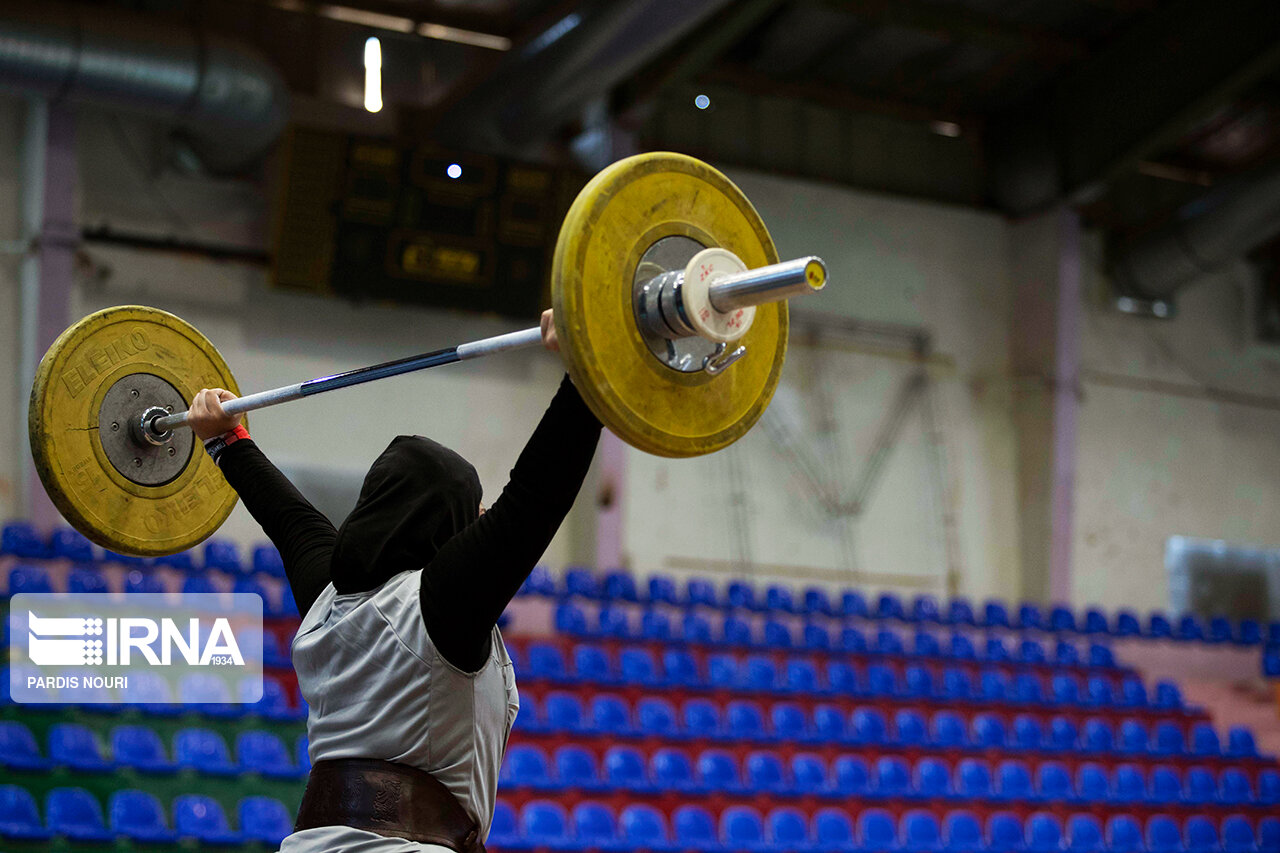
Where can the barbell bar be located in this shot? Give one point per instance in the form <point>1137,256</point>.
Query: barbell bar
<point>727,294</point>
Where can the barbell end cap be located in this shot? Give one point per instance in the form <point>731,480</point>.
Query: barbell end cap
<point>815,273</point>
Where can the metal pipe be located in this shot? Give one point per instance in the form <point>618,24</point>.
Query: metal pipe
<point>768,284</point>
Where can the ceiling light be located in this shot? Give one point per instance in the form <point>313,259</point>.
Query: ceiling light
<point>372,74</point>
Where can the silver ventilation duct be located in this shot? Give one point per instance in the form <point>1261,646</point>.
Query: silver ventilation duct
<point>227,102</point>
<point>580,57</point>
<point>1223,225</point>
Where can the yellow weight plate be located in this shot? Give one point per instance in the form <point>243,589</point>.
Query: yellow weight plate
<point>129,497</point>
<point>619,215</point>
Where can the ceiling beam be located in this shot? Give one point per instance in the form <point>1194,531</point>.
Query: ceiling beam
<point>960,23</point>
<point>1136,96</point>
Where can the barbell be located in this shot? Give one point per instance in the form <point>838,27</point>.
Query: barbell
<point>670,308</point>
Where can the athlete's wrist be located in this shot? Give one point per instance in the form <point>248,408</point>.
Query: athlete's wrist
<point>219,443</point>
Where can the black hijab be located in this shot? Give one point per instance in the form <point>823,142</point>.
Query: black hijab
<point>417,495</point>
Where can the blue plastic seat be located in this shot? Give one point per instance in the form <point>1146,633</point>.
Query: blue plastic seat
<point>800,676</point>
<point>932,780</point>
<point>84,579</point>
<point>1062,735</point>
<point>776,635</point>
<point>1199,787</point>
<point>699,592</point>
<point>694,829</point>
<point>69,544</point>
<point>892,777</point>
<point>1133,694</point>
<point>1237,835</point>
<point>1028,689</point>
<point>961,833</point>
<point>612,622</point>
<point>956,685</point>
<point>876,830</point>
<point>1004,833</point>
<point>722,672</point>
<point>718,771</point>
<point>75,814</point>
<point>1269,787</point>
<point>1030,651</point>
<point>1240,743</point>
<point>988,732</point>
<point>817,601</point>
<point>1164,786</point>
<point>741,829</point>
<point>1159,626</point>
<point>200,817</point>
<point>609,715</point>
<point>204,751</point>
<point>637,667</point>
<point>850,777</point>
<point>526,766</point>
<point>853,605</point>
<point>758,674</point>
<point>852,641</point>
<point>619,586</point>
<point>1084,834</point>
<point>655,625</point>
<point>1097,736</point>
<point>1129,784</point>
<point>544,824</point>
<point>527,717</point>
<point>1234,788</point>
<point>140,747</point>
<point>1095,622</point>
<point>222,556</point>
<point>881,681</point>
<point>680,669</point>
<point>671,770</point>
<point>924,608</point>
<point>563,712</point>
<point>919,832</point>
<point>1168,739</point>
<point>662,590</point>
<point>789,723</point>
<point>21,539</point>
<point>594,826</point>
<point>569,619</point>
<point>1066,689</point>
<point>18,747</point>
<point>889,606</point>
<point>829,725</point>
<point>1027,734</point>
<point>19,817</point>
<point>642,827</point>
<point>1201,835</point>
<point>787,829</point>
<point>1065,654</point>
<point>1133,737</point>
<point>623,769</point>
<point>1204,741</point>
<point>765,774</point>
<point>1124,834</point>
<point>546,661</point>
<point>655,717</point>
<point>265,753</point>
<point>1163,835</point>
<point>993,686</point>
<point>1029,617</point>
<point>947,730</point>
<point>1013,781</point>
<point>808,774</point>
<point>744,720</point>
<point>868,726</point>
<point>832,831</point>
<point>917,683</point>
<point>909,727</point>
<point>1061,619</point>
<point>815,638</point>
<point>1269,835</point>
<point>887,643</point>
<point>29,579</point>
<point>926,645</point>
<point>1101,656</point>
<point>580,582</point>
<point>504,831</point>
<point>701,719</point>
<point>1168,697</point>
<point>74,746</point>
<point>1127,624</point>
<point>1092,784</point>
<point>961,647</point>
<point>960,612</point>
<point>842,679</point>
<point>740,595</point>
<point>267,821</point>
<point>973,780</point>
<point>1053,782</point>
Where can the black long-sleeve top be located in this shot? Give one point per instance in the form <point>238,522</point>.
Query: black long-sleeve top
<point>473,577</point>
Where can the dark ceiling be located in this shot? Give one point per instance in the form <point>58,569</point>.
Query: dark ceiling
<point>1129,108</point>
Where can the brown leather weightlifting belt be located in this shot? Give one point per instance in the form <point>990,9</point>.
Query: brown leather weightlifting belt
<point>389,799</point>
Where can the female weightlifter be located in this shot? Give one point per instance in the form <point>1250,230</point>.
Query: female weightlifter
<point>399,656</point>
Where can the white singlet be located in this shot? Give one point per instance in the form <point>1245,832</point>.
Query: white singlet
<point>377,688</point>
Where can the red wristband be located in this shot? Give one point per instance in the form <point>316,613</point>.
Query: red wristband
<point>235,435</point>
